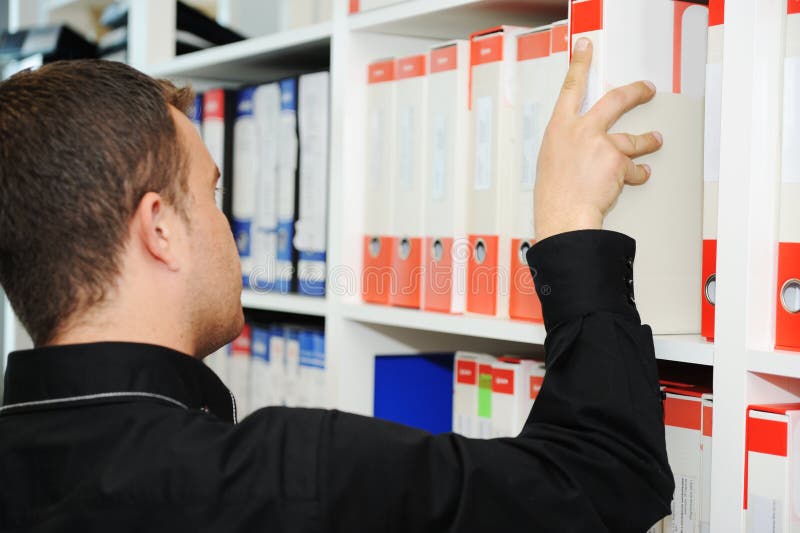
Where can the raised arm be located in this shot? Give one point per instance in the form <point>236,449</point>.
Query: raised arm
<point>592,454</point>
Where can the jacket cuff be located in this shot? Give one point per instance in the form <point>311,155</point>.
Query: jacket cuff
<point>582,272</point>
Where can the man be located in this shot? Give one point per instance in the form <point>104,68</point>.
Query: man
<point>118,263</point>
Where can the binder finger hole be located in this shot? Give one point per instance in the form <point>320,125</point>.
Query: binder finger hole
<point>437,250</point>
<point>790,296</point>
<point>404,248</point>
<point>374,247</point>
<point>480,252</point>
<point>710,289</point>
<point>523,252</point>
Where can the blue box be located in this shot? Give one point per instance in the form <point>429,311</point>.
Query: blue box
<point>415,390</point>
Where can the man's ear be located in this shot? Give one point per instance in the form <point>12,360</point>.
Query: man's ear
<point>155,225</point>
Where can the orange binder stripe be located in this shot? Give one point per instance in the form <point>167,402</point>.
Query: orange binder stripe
<point>503,381</point>
<point>716,12</point>
<point>445,58</point>
<point>381,71</point>
<point>376,272</point>
<point>214,104</point>
<point>708,420</point>
<point>787,325</point>
<point>792,7</point>
<point>407,290</point>
<point>524,302</point>
<point>467,372</point>
<point>709,269</point>
<point>587,15</point>
<point>411,67</point>
<point>682,413</point>
<point>241,344</point>
<point>486,50</point>
<point>535,386</point>
<point>767,436</point>
<point>438,276</point>
<point>559,38</point>
<point>482,277</point>
<point>533,45</point>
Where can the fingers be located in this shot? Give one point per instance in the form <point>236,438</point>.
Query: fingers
<point>636,174</point>
<point>619,101</point>
<point>573,91</point>
<point>635,146</point>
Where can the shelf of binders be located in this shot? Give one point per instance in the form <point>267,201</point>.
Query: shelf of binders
<point>447,19</point>
<point>297,304</point>
<point>682,348</point>
<point>778,363</point>
<point>252,60</point>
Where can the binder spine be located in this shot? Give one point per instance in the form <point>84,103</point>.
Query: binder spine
<point>286,264</point>
<point>244,186</point>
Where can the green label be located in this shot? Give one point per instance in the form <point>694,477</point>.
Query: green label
<point>485,395</point>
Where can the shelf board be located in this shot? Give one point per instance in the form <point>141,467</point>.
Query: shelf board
<point>682,348</point>
<point>255,60</point>
<point>451,19</point>
<point>778,362</point>
<point>472,326</point>
<point>284,303</point>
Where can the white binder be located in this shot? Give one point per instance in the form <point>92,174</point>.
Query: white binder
<point>446,179</point>
<point>635,40</point>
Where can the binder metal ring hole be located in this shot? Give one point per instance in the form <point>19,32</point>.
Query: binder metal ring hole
<point>480,251</point>
<point>523,252</point>
<point>404,248</point>
<point>437,250</point>
<point>710,289</point>
<point>790,296</point>
<point>374,247</point>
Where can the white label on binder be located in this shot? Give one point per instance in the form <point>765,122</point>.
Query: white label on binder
<point>530,145</point>
<point>791,120</point>
<point>438,156</point>
<point>376,143</point>
<point>713,121</point>
<point>684,504</point>
<point>483,143</point>
<point>405,147</point>
<point>764,514</point>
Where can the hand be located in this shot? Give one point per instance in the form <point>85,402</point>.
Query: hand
<point>582,168</point>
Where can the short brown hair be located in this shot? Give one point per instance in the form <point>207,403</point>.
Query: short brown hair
<point>81,142</point>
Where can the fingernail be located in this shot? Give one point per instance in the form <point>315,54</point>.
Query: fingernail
<point>651,85</point>
<point>659,137</point>
<point>646,168</point>
<point>582,44</point>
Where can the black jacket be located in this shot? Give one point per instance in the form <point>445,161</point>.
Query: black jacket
<point>125,437</point>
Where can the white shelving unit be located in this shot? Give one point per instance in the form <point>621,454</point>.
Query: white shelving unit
<point>746,368</point>
<point>285,303</point>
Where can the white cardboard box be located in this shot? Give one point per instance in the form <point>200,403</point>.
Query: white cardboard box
<point>772,468</point>
<point>683,421</point>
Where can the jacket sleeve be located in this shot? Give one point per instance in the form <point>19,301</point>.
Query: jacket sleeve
<point>591,456</point>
